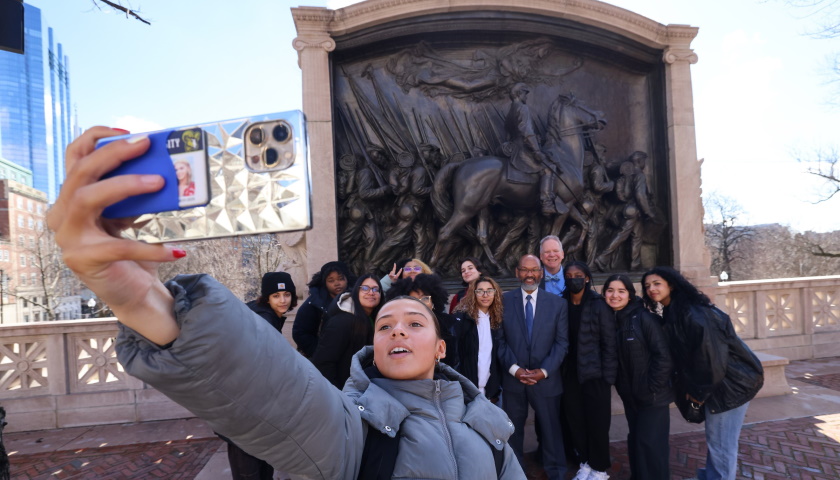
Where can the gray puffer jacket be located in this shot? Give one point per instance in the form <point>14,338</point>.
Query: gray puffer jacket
<point>231,368</point>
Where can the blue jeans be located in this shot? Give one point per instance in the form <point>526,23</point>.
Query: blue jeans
<point>722,431</point>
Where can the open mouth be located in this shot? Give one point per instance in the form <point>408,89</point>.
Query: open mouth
<point>399,352</point>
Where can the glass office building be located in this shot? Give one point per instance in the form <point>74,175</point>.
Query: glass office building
<point>35,116</point>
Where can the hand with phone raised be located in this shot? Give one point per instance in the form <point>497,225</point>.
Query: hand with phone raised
<point>122,272</point>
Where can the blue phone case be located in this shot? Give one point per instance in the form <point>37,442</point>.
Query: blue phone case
<point>157,161</point>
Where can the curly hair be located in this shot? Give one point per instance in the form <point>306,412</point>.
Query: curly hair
<point>429,284</point>
<point>319,279</point>
<point>469,305</point>
<point>683,293</point>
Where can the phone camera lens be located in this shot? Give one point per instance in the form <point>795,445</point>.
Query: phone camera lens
<point>281,133</point>
<point>271,157</point>
<point>256,136</point>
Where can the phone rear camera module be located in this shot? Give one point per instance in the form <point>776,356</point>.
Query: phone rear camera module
<point>271,157</point>
<point>281,133</point>
<point>256,136</point>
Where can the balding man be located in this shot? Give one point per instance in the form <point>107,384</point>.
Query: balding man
<point>532,344</point>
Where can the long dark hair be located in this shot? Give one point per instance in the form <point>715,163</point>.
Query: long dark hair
<point>362,324</point>
<point>428,283</point>
<point>628,284</point>
<point>683,293</point>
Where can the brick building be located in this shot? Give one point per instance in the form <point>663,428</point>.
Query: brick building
<point>22,212</point>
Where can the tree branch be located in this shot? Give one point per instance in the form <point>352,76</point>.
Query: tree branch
<point>128,11</point>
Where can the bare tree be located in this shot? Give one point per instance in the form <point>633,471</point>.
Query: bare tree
<point>54,280</point>
<point>237,262</point>
<point>725,238</point>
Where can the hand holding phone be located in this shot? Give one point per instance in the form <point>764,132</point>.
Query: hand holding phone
<point>234,177</point>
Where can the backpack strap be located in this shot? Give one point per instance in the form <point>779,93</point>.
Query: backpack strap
<point>379,456</point>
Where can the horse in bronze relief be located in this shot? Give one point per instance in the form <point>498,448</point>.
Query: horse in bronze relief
<point>466,189</point>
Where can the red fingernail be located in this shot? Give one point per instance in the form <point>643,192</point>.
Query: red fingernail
<point>178,253</point>
<point>120,130</point>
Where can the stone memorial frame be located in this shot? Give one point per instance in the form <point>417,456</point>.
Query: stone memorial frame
<point>323,32</point>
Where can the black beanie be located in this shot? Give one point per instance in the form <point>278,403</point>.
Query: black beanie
<point>273,282</point>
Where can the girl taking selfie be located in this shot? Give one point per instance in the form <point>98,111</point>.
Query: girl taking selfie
<point>194,341</point>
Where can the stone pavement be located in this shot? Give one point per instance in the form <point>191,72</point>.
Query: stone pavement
<point>789,437</point>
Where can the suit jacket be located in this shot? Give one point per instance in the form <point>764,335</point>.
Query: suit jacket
<point>545,349</point>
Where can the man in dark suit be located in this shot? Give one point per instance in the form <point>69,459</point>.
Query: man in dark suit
<point>532,344</point>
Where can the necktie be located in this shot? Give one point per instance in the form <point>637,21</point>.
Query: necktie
<point>529,316</point>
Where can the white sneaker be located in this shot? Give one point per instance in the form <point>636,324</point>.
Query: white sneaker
<point>596,475</point>
<point>584,472</point>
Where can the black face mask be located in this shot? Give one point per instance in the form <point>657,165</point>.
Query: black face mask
<point>575,285</point>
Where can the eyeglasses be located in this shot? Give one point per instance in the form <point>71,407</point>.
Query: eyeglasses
<point>529,270</point>
<point>417,269</point>
<point>427,299</point>
<point>484,293</point>
<point>366,289</point>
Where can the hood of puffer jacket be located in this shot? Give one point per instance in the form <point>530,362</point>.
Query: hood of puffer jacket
<point>341,303</point>
<point>384,413</point>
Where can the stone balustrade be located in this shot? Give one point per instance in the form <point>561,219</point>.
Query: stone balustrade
<point>65,373</point>
<point>796,318</point>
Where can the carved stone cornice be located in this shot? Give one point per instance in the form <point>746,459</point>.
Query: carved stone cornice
<point>367,13</point>
<point>673,55</point>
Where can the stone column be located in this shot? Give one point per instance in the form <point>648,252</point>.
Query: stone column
<point>691,256</point>
<point>313,45</point>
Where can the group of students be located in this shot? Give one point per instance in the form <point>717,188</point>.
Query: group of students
<point>615,338</point>
<point>403,411</point>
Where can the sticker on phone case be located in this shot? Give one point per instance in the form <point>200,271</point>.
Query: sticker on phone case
<point>186,149</point>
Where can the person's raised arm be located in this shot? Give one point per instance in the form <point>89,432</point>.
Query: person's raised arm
<point>121,272</point>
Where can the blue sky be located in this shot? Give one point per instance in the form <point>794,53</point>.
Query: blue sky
<point>759,90</point>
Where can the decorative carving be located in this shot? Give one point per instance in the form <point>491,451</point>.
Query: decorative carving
<point>96,363</point>
<point>23,367</point>
<point>780,310</point>
<point>443,154</point>
<point>673,55</point>
<point>825,306</point>
<point>324,42</point>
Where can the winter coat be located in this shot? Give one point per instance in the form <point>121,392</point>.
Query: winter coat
<point>644,358</point>
<point>712,363</point>
<point>308,320</point>
<point>267,313</point>
<point>343,333</point>
<point>468,351</point>
<point>597,354</point>
<point>275,405</point>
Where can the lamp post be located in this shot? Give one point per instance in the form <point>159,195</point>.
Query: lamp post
<point>724,276</point>
<point>91,304</point>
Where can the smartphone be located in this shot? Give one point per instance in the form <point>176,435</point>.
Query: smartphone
<point>233,177</point>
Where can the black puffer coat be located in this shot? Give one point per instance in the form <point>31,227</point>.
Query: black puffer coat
<point>308,320</point>
<point>344,333</point>
<point>712,364</point>
<point>644,358</point>
<point>597,354</point>
<point>266,312</point>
